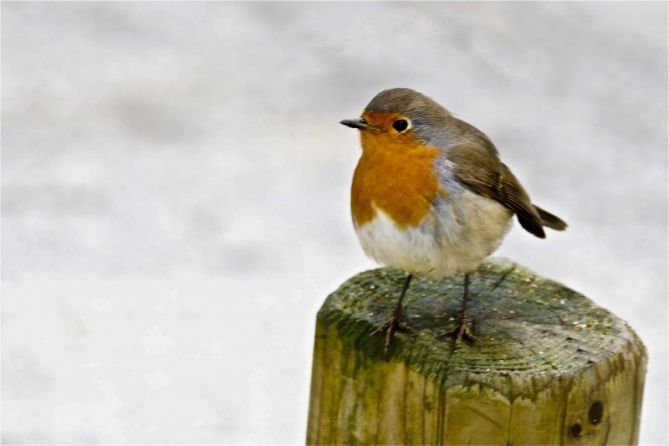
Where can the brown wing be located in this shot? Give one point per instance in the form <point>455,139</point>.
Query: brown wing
<point>480,169</point>
<point>549,220</point>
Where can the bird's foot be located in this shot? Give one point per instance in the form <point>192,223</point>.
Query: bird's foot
<point>392,326</point>
<point>462,332</point>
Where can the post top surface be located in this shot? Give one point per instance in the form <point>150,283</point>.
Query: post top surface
<point>524,324</point>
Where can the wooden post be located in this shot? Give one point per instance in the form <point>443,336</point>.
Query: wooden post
<point>548,367</point>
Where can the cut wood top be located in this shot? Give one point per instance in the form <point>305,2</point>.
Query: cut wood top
<point>530,330</point>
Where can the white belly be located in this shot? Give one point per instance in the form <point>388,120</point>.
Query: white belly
<point>454,238</point>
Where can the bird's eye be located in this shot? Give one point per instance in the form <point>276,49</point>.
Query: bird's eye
<point>401,125</point>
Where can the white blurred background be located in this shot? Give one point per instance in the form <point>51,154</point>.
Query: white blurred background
<point>175,190</point>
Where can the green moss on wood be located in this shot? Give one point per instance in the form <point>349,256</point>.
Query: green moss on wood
<point>525,324</point>
<point>544,355</point>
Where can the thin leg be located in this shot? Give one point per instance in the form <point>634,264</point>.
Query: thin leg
<point>405,287</point>
<point>394,323</point>
<point>465,296</point>
<point>463,330</point>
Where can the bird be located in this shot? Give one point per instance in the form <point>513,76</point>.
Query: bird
<point>430,196</point>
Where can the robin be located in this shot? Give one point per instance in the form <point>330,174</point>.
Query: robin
<point>431,196</point>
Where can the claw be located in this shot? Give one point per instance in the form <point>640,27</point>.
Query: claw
<point>394,323</point>
<point>392,326</point>
<point>462,332</point>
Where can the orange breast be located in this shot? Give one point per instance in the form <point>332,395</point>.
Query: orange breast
<point>395,174</point>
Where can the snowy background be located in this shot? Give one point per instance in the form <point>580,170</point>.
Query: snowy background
<point>175,192</point>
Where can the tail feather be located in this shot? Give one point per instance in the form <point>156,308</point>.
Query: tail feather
<point>550,221</point>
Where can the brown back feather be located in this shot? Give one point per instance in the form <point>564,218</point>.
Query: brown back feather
<point>480,170</point>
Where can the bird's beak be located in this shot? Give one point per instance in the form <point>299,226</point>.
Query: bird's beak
<point>359,123</point>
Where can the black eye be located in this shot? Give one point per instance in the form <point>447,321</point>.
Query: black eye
<point>401,125</point>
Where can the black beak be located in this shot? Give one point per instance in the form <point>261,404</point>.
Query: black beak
<point>360,124</point>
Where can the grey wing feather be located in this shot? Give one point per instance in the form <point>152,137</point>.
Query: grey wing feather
<point>481,170</point>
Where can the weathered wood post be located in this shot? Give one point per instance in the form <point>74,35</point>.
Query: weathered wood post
<point>548,367</point>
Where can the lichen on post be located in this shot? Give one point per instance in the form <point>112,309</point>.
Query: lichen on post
<point>548,366</point>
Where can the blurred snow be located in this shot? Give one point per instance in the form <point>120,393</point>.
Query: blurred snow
<point>175,191</point>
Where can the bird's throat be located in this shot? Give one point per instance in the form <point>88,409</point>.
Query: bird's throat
<point>397,176</point>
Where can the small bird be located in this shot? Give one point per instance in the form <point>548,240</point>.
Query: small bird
<point>431,196</point>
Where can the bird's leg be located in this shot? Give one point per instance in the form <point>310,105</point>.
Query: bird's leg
<point>463,330</point>
<point>394,323</point>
